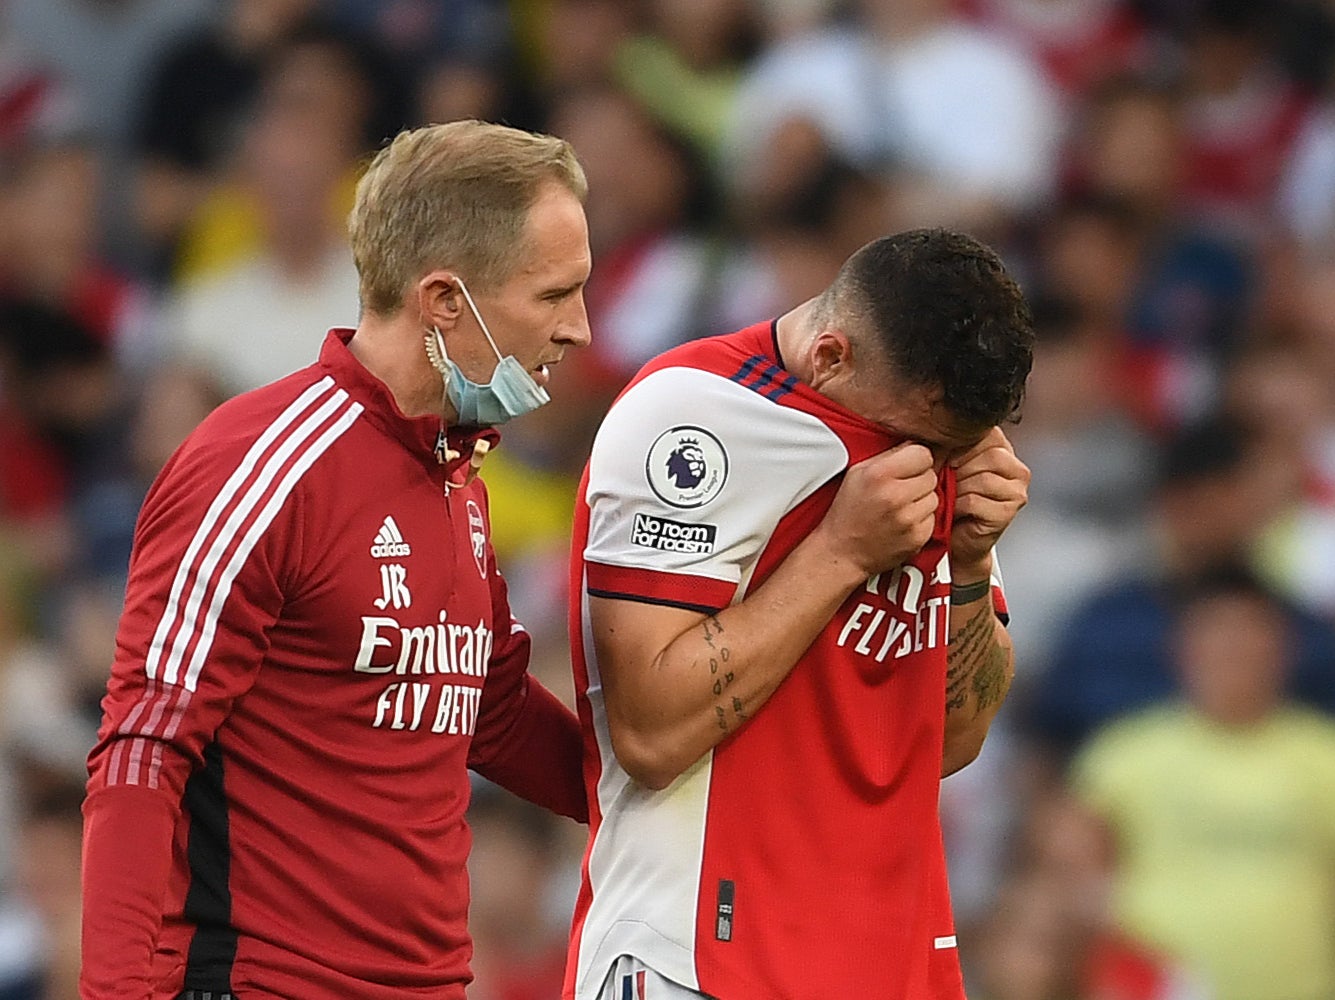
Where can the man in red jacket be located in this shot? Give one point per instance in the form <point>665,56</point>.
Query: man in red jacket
<point>316,643</point>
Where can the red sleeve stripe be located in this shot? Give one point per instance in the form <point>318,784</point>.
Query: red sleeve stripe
<point>125,766</point>
<point>167,690</point>
<point>698,593</point>
<point>178,712</point>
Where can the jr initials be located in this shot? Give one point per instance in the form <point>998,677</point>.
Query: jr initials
<point>394,587</point>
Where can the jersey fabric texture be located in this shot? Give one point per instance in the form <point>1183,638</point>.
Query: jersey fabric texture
<point>316,645</point>
<point>802,857</point>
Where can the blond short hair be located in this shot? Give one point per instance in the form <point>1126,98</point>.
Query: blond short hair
<point>455,195</point>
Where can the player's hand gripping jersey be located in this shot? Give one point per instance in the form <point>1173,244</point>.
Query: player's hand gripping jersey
<point>801,859</point>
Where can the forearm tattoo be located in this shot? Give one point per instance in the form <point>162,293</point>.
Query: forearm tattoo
<point>720,677</point>
<point>975,664</point>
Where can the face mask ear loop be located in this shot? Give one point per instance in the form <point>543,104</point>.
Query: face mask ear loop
<point>478,316</point>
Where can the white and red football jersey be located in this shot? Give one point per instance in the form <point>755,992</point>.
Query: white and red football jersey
<point>802,857</point>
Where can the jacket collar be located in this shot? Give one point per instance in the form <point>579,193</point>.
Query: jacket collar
<point>420,435</point>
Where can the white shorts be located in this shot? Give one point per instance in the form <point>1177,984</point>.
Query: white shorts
<point>631,979</point>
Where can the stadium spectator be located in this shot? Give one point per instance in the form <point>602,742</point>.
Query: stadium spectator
<point>1242,112</point>
<point>255,314</point>
<point>1089,492</point>
<point>1304,205</point>
<point>36,105</point>
<point>780,20</point>
<point>577,42</point>
<point>418,34</point>
<point>192,109</point>
<point>1190,281</point>
<point>1049,934</point>
<point>1113,654</point>
<point>654,271</point>
<point>51,690</point>
<point>1220,810</point>
<point>1094,257</point>
<point>1078,43</point>
<point>686,65</point>
<point>1289,396</point>
<point>48,879</point>
<point>1031,946</point>
<point>51,244</point>
<point>968,121</point>
<point>61,398</point>
<point>21,937</point>
<point>104,50</point>
<point>317,81</point>
<point>456,89</point>
<point>790,240</point>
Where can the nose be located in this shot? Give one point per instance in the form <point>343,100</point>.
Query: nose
<point>574,326</point>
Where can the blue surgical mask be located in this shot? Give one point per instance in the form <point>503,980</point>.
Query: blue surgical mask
<point>511,393</point>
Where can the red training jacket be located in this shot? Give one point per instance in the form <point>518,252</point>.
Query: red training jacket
<point>316,645</point>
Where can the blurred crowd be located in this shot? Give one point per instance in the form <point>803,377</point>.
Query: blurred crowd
<point>1154,815</point>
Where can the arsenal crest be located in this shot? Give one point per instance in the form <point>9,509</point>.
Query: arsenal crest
<point>478,535</point>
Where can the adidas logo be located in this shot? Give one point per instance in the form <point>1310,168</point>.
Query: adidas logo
<point>389,543</point>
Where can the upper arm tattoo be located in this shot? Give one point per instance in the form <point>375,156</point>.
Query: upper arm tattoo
<point>720,677</point>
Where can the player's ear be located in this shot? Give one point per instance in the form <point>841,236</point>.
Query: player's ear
<point>831,356</point>
<point>438,299</point>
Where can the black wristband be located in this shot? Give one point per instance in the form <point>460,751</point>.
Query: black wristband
<point>970,592</point>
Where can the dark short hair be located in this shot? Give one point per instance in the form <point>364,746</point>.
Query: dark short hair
<point>945,313</point>
<point>1230,579</point>
<point>1209,447</point>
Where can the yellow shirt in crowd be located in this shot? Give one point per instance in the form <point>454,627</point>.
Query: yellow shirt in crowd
<point>1226,845</point>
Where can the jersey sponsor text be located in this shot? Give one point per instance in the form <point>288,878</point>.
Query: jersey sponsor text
<point>443,648</point>
<point>898,620</point>
<point>404,704</point>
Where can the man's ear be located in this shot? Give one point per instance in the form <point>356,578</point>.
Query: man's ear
<point>831,356</point>
<point>439,300</point>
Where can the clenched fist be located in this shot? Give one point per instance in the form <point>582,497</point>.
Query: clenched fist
<point>885,509</point>
<point>992,484</point>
